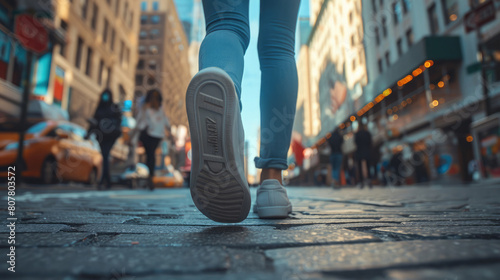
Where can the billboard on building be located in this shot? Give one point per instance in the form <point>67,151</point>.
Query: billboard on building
<point>335,98</point>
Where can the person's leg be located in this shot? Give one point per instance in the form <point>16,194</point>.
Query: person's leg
<point>337,164</point>
<point>150,147</point>
<point>227,39</point>
<point>279,83</point>
<point>106,146</point>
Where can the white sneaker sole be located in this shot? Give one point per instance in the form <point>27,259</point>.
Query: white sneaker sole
<point>218,189</point>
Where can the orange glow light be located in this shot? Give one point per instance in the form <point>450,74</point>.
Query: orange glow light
<point>395,117</point>
<point>435,103</point>
<point>417,72</point>
<point>428,63</point>
<point>441,84</point>
<point>470,138</point>
<point>453,17</point>
<point>389,111</point>
<point>353,118</point>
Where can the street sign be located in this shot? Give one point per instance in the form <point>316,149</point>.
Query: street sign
<point>31,33</point>
<point>479,16</point>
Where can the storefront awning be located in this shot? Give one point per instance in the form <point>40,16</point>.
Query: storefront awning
<point>436,48</point>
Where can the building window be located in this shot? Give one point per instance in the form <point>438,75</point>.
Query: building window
<point>125,12</point>
<point>399,45</point>
<point>62,47</point>
<point>143,34</point>
<point>85,5</point>
<point>384,27</point>
<point>95,12</point>
<point>108,81</point>
<point>144,6</point>
<point>381,2</point>
<point>350,17</point>
<point>88,67</point>
<point>450,10</point>
<point>155,19</point>
<point>352,40</point>
<point>155,33</point>
<point>361,57</point>
<point>380,66</point>
<point>377,36</point>
<point>105,31</point>
<point>152,64</point>
<point>131,19</point>
<point>138,80</point>
<point>79,49</point>
<point>140,64</point>
<point>142,49</point>
<point>153,49</point>
<point>409,37</point>
<point>387,59</point>
<point>396,11</point>
<point>151,80</point>
<point>353,63</point>
<point>433,20</point>
<point>112,39</point>
<point>122,52</point>
<point>406,6</point>
<point>100,73</point>
<point>144,19</point>
<point>155,6</point>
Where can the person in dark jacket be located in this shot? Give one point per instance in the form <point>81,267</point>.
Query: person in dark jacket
<point>106,124</point>
<point>363,140</point>
<point>335,141</point>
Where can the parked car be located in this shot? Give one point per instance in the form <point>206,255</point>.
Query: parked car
<point>168,178</point>
<point>53,151</point>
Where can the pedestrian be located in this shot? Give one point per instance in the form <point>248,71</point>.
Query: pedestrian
<point>335,141</point>
<point>363,140</point>
<point>218,184</point>
<point>151,125</point>
<point>106,125</point>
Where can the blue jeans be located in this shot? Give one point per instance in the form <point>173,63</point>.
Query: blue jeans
<point>227,39</point>
<point>336,161</point>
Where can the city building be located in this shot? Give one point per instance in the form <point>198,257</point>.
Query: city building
<point>14,57</point>
<point>331,66</point>
<point>163,58</point>
<point>425,86</point>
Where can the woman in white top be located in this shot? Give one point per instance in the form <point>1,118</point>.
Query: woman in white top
<point>151,123</point>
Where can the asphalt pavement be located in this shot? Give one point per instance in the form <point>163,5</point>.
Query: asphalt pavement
<point>437,232</point>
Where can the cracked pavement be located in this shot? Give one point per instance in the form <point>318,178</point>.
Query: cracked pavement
<point>437,232</point>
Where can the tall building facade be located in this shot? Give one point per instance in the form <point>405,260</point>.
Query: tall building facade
<point>101,52</point>
<point>163,58</point>
<point>425,87</point>
<point>98,51</point>
<point>332,67</point>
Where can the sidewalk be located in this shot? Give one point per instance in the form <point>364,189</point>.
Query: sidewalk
<point>382,233</point>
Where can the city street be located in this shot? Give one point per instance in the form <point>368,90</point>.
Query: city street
<point>438,232</point>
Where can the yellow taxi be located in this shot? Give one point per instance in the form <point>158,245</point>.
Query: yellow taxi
<point>54,151</point>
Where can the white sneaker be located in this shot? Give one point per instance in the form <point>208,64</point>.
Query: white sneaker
<point>272,201</point>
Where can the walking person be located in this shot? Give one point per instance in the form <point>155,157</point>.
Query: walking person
<point>106,125</point>
<point>336,158</point>
<point>218,184</point>
<point>151,125</point>
<point>363,140</point>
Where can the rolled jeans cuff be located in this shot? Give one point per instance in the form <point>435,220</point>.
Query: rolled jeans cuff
<point>270,163</point>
